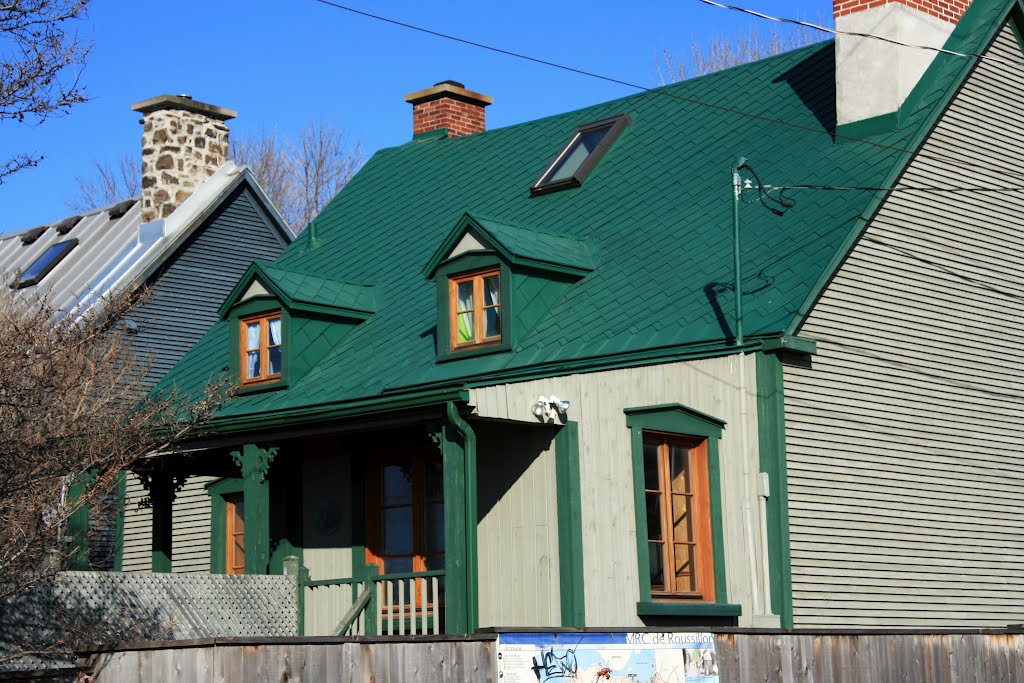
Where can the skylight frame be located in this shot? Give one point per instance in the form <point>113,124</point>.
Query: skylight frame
<point>615,126</point>
<point>55,259</point>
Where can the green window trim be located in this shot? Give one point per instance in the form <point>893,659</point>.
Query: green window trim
<point>674,418</point>
<point>462,265</point>
<point>218,520</point>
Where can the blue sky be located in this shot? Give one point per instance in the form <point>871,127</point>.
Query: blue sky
<point>282,64</point>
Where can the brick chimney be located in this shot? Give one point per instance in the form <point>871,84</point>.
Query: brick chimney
<point>874,78</point>
<point>448,105</point>
<point>184,142</point>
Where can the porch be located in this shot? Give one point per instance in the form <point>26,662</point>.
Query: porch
<point>379,521</point>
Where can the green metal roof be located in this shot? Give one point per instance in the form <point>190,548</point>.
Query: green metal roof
<point>519,245</point>
<point>654,216</point>
<point>303,291</point>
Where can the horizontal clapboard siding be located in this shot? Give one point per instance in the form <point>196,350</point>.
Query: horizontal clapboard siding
<point>905,439</point>
<point>182,304</point>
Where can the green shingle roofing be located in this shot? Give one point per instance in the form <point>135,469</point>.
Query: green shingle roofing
<point>302,288</point>
<point>519,245</point>
<point>655,212</point>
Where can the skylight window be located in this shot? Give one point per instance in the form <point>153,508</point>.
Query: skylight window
<point>45,263</point>
<point>579,157</point>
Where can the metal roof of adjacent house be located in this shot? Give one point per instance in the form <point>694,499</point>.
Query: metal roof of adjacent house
<point>655,214</point>
<point>114,249</point>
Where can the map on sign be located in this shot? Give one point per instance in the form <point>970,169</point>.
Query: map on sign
<point>607,658</point>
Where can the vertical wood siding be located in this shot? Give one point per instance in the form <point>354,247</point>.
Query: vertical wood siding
<point>606,476</point>
<point>517,534</point>
<point>327,537</point>
<point>183,299</point>
<point>905,439</point>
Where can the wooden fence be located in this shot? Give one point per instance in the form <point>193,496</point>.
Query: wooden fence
<point>744,656</point>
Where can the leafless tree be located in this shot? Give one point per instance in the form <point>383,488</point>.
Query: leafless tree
<point>723,53</point>
<point>73,413</point>
<point>300,176</point>
<point>41,59</point>
<point>109,184</point>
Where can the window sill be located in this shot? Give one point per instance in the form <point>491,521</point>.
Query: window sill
<point>244,389</point>
<point>474,351</point>
<point>687,609</point>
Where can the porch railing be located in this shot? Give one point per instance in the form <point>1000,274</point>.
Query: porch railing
<point>410,603</point>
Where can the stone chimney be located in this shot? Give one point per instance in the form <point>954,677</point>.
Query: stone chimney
<point>873,78</point>
<point>184,142</point>
<point>448,105</point>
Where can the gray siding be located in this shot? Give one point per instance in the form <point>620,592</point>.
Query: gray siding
<point>518,526</point>
<point>186,292</point>
<point>191,520</point>
<point>714,386</point>
<point>182,304</point>
<point>905,445</point>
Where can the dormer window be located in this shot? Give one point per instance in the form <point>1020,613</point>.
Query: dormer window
<point>260,337</point>
<point>475,308</point>
<point>46,262</point>
<point>580,155</point>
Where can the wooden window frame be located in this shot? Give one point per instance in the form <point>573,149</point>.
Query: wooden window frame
<point>231,566</point>
<point>479,310</point>
<point>420,501</point>
<point>698,513</point>
<point>243,352</point>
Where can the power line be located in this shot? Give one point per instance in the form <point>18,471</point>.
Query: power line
<point>660,91</point>
<point>836,32</point>
<point>895,188</point>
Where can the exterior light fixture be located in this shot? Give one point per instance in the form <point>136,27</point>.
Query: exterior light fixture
<point>548,408</point>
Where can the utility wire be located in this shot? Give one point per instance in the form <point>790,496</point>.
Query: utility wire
<point>836,32</point>
<point>895,188</point>
<point>956,161</point>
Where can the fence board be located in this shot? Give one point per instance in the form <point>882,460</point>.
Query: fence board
<point>742,658</point>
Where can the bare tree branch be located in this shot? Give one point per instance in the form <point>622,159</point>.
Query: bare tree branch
<point>41,61</point>
<point>109,184</point>
<point>723,53</point>
<point>73,409</point>
<point>300,176</point>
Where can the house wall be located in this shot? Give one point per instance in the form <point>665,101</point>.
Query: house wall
<point>327,534</point>
<point>181,306</point>
<point>722,387</point>
<point>904,440</point>
<point>518,526</point>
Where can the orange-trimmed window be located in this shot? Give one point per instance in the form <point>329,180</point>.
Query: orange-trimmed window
<point>405,518</point>
<point>260,340</point>
<point>678,517</point>
<point>475,309</point>
<point>235,533</point>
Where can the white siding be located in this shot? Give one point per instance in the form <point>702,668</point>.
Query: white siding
<point>191,524</point>
<point>714,386</point>
<point>905,439</point>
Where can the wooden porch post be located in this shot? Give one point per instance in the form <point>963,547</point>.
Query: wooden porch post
<point>255,463</point>
<point>458,453</point>
<point>78,521</point>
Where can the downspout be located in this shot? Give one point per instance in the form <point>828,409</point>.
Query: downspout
<point>472,598</point>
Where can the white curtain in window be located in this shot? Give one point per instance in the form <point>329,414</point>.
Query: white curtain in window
<point>275,332</point>
<point>252,345</point>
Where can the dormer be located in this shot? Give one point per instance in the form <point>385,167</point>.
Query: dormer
<point>495,280</point>
<point>283,322</point>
